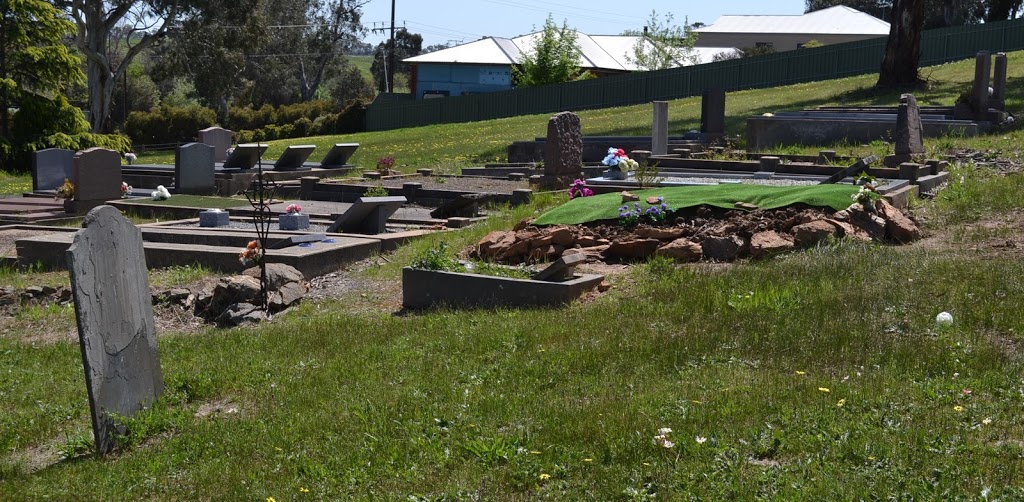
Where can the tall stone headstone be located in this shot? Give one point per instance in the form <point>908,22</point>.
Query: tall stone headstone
<point>110,286</point>
<point>712,112</point>
<point>659,129</point>
<point>50,167</point>
<point>220,139</point>
<point>982,74</point>
<point>97,175</point>
<point>909,130</point>
<point>563,151</point>
<point>998,100</point>
<point>194,169</point>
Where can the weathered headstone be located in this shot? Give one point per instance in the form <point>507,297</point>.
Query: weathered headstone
<point>194,169</point>
<point>293,157</point>
<point>998,100</point>
<point>909,130</point>
<point>659,129</point>
<point>562,269</point>
<point>50,167</point>
<point>369,215</point>
<point>220,139</point>
<point>97,175</point>
<point>245,156</point>
<point>465,205</point>
<point>982,74</point>
<point>563,151</point>
<point>338,155</point>
<point>110,285</point>
<point>712,113</point>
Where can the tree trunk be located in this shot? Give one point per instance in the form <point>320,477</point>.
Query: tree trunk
<point>903,49</point>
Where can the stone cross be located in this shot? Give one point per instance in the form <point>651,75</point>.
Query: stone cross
<point>220,139</point>
<point>909,130</point>
<point>563,151</point>
<point>110,285</point>
<point>659,129</point>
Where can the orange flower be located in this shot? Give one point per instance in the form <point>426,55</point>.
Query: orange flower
<point>253,245</point>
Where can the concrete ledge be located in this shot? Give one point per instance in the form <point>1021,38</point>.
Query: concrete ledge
<point>767,132</point>
<point>931,182</point>
<point>428,288</point>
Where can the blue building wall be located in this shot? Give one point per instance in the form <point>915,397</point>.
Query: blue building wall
<point>457,79</point>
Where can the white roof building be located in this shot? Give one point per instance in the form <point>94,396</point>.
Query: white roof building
<point>829,26</point>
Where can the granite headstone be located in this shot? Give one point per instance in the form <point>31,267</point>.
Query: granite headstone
<point>194,169</point>
<point>220,139</point>
<point>338,155</point>
<point>97,175</point>
<point>50,167</point>
<point>110,286</point>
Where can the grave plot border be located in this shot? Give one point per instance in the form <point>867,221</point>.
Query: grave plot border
<point>429,288</point>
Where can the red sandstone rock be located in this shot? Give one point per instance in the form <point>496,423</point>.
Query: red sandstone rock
<point>660,233</point>
<point>634,248</point>
<point>764,244</point>
<point>683,250</point>
<point>898,227</point>
<point>725,248</point>
<point>561,235</point>
<point>809,234</point>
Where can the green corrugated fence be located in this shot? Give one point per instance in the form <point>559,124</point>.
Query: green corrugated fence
<point>783,68</point>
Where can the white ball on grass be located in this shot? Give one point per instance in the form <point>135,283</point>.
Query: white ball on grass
<point>944,319</point>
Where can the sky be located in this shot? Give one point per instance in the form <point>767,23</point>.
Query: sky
<point>462,21</point>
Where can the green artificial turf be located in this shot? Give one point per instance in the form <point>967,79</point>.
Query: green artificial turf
<point>606,206</point>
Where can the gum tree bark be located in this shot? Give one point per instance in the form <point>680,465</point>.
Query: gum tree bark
<point>903,49</point>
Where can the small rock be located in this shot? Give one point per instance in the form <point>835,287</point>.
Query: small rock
<point>898,227</point>
<point>33,291</point>
<point>240,313</point>
<point>629,197</point>
<point>654,200</point>
<point>64,295</point>
<point>604,286</point>
<point>634,248</point>
<point>522,224</point>
<point>809,234</point>
<point>764,244</point>
<point>660,233</point>
<point>278,274</point>
<point>49,290</point>
<point>561,236</point>
<point>683,250</point>
<point>726,248</point>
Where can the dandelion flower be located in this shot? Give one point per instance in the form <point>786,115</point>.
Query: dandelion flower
<point>545,476</point>
<point>701,439</point>
<point>303,489</point>
<point>588,460</point>
<point>958,408</point>
<point>841,403</point>
<point>824,389</point>
<point>798,372</point>
<point>271,499</point>
<point>535,452</point>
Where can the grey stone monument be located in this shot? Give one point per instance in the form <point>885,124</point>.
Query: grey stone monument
<point>338,155</point>
<point>110,285</point>
<point>212,218</point>
<point>659,129</point>
<point>982,74</point>
<point>194,169</point>
<point>97,175</point>
<point>368,215</point>
<point>563,151</point>
<point>220,139</point>
<point>712,113</point>
<point>998,100</point>
<point>909,130</point>
<point>50,167</point>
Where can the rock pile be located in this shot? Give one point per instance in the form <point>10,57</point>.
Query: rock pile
<point>756,234</point>
<point>42,295</point>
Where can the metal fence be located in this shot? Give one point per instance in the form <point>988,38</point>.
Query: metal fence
<point>790,67</point>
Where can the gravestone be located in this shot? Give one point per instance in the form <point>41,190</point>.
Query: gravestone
<point>712,113</point>
<point>368,215</point>
<point>293,157</point>
<point>998,100</point>
<point>562,269</point>
<point>212,218</point>
<point>465,205</point>
<point>110,285</point>
<point>659,129</point>
<point>563,151</point>
<point>245,156</point>
<point>50,167</point>
<point>220,139</point>
<point>979,93</point>
<point>194,169</point>
<point>97,175</point>
<point>338,155</point>
<point>909,130</point>
<point>853,170</point>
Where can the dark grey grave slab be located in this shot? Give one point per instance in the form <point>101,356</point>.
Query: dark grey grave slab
<point>194,169</point>
<point>97,175</point>
<point>562,269</point>
<point>466,205</point>
<point>213,218</point>
<point>50,167</point>
<point>245,156</point>
<point>293,157</point>
<point>368,215</point>
<point>220,139</point>
<point>110,285</point>
<point>339,154</point>
<point>295,240</point>
<point>712,112</point>
<point>853,170</point>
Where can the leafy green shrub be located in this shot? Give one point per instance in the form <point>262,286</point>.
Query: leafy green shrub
<point>169,124</point>
<point>438,258</point>
<point>376,191</point>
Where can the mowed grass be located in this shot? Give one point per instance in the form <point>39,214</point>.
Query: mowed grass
<point>816,375</point>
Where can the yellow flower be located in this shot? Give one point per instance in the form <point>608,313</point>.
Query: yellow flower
<point>535,452</point>
<point>841,403</point>
<point>545,477</point>
<point>824,389</point>
<point>588,460</point>
<point>958,408</point>
<point>271,499</point>
<point>303,489</point>
<point>798,372</point>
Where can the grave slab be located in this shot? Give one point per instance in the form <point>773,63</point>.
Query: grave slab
<point>293,157</point>
<point>338,155</point>
<point>466,205</point>
<point>245,156</point>
<point>110,286</point>
<point>562,269</point>
<point>368,215</point>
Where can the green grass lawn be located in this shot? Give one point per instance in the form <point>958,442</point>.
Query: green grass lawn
<point>820,374</point>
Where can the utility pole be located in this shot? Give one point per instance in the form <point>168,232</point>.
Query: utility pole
<point>391,55</point>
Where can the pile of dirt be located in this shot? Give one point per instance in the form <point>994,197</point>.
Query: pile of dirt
<point>700,233</point>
